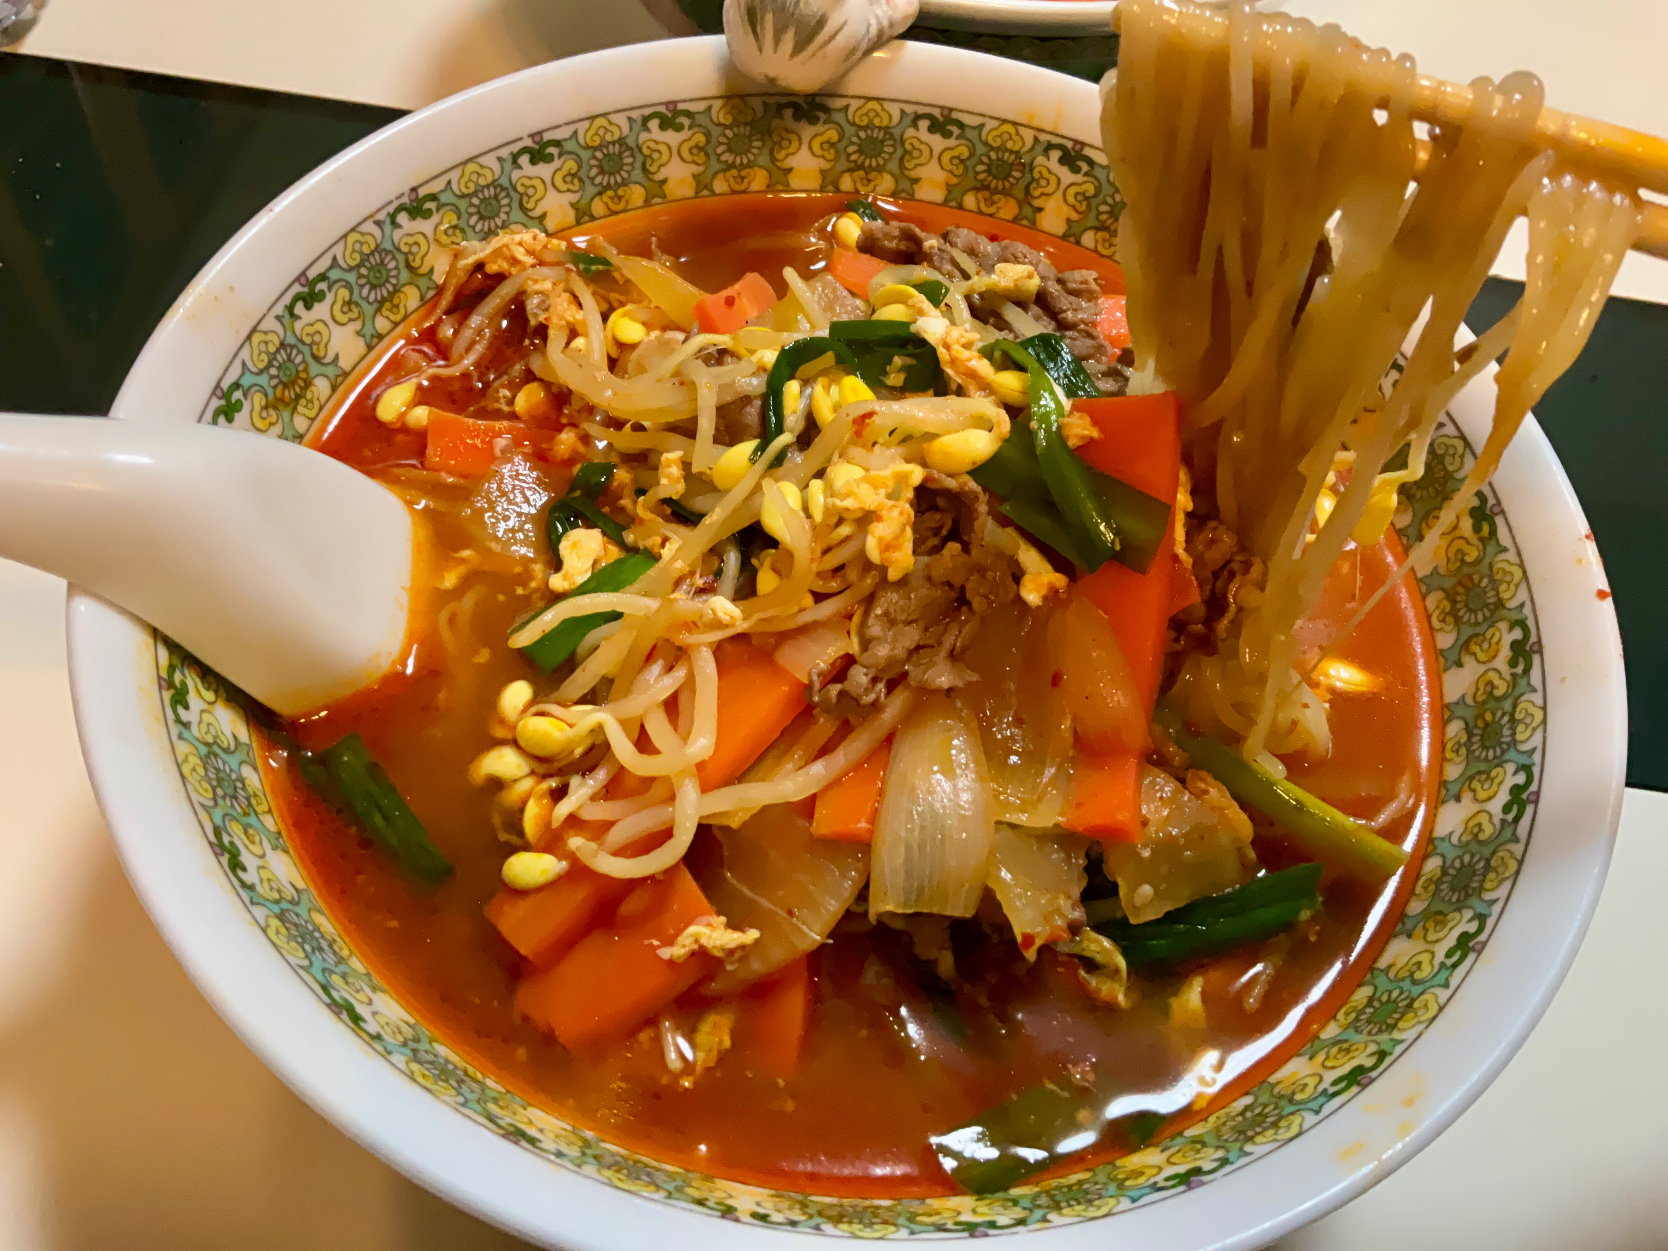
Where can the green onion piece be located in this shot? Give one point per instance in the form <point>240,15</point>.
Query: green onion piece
<point>1143,521</point>
<point>676,507</point>
<point>872,331</point>
<point>1258,909</point>
<point>1141,1127</point>
<point>877,344</point>
<point>1081,502</point>
<point>789,361</point>
<point>1312,821</point>
<point>1014,474</point>
<point>1088,519</point>
<point>680,509</point>
<point>361,784</point>
<point>865,210</point>
<point>589,482</point>
<point>348,778</point>
<point>1038,1127</point>
<point>1043,524</point>
<point>558,643</point>
<point>1050,351</point>
<point>586,263</point>
<point>934,290</point>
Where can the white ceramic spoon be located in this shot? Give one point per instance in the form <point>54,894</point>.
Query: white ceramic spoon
<point>282,569</point>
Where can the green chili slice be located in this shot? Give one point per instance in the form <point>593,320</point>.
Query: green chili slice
<point>865,210</point>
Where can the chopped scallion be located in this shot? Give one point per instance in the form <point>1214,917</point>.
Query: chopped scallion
<point>558,643</point>
<point>1311,820</point>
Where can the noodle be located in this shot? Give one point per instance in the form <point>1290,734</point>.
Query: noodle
<point>1308,146</point>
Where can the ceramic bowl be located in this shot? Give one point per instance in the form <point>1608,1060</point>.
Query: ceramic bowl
<point>1533,727</point>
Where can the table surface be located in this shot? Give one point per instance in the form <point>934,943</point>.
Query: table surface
<point>104,1137</point>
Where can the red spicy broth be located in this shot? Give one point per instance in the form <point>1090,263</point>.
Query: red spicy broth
<point>855,1117</point>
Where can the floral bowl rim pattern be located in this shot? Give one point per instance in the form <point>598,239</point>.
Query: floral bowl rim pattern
<point>1533,731</point>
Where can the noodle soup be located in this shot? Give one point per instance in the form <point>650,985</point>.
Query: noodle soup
<point>804,797</point>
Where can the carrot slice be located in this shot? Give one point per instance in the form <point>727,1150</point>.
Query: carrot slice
<point>1113,322</point>
<point>614,978</point>
<point>846,807</point>
<point>778,1017</point>
<point>727,311</point>
<point>466,446</point>
<point>1105,797</point>
<point>757,698</point>
<point>544,924</point>
<point>1140,443</point>
<point>1140,440</point>
<point>855,270</point>
<point>1184,588</point>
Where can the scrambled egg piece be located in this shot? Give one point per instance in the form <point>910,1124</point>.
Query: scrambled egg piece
<point>711,935</point>
<point>1106,977</point>
<point>1208,791</point>
<point>1187,1005</point>
<point>1184,505</point>
<point>1038,579</point>
<point>518,250</point>
<point>582,551</point>
<point>712,1039</point>
<point>671,475</point>
<point>550,301</point>
<point>958,354</point>
<point>1014,282</point>
<point>889,495</point>
<point>466,563</point>
<point>718,613</point>
<point>1078,429</point>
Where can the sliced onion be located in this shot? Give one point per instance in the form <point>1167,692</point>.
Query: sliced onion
<point>900,275</point>
<point>809,646</point>
<point>778,879</point>
<point>1096,685</point>
<point>935,827</point>
<point>1039,879</point>
<point>675,296</point>
<point>1185,852</point>
<point>1023,323</point>
<point>1023,727</point>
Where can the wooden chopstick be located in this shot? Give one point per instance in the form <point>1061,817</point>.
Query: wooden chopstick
<point>1617,153</point>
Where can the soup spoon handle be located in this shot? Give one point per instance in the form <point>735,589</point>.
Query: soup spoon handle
<point>282,569</point>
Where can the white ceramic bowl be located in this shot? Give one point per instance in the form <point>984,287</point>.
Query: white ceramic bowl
<point>1534,724</point>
